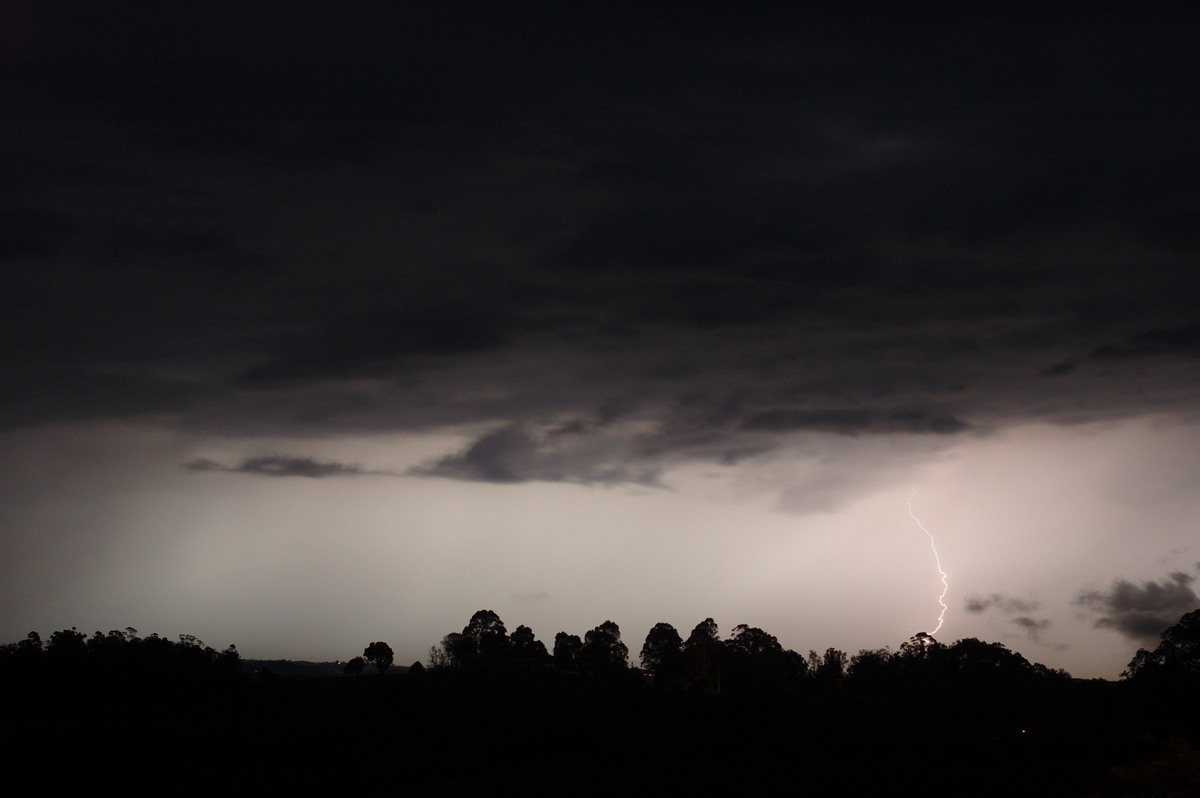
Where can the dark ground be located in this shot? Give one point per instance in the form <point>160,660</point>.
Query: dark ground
<point>545,733</point>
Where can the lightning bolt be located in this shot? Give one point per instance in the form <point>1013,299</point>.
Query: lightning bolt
<point>936,559</point>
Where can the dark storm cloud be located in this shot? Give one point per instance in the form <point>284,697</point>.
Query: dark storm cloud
<point>1059,369</point>
<point>282,466</point>
<point>30,232</point>
<point>1034,629</point>
<point>717,231</point>
<point>1005,604</point>
<point>1181,341</point>
<point>358,346</point>
<point>1141,612</point>
<point>518,453</point>
<point>1031,625</point>
<point>851,422</point>
<point>34,391</point>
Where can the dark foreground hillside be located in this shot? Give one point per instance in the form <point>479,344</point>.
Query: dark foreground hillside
<point>499,714</point>
<point>547,733</point>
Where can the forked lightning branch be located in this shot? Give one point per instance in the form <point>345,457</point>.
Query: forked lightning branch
<point>945,584</point>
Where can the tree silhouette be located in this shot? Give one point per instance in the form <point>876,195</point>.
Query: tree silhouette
<point>661,653</point>
<point>754,641</point>
<point>483,641</point>
<point>921,646</point>
<point>828,669</point>
<point>1181,642</point>
<point>32,644</point>
<point>566,651</point>
<point>975,656</point>
<point>704,633</point>
<point>603,653</point>
<point>1175,660</point>
<point>67,644</point>
<point>524,645</point>
<point>756,662</point>
<point>120,660</point>
<point>705,661</point>
<point>379,655</point>
<point>870,670</point>
<point>455,651</point>
<point>355,666</point>
<point>488,633</point>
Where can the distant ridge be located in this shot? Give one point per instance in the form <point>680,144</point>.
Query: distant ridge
<point>301,669</point>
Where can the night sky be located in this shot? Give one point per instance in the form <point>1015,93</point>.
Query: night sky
<point>331,323</point>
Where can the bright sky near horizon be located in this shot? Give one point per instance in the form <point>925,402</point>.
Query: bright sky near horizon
<point>341,330</point>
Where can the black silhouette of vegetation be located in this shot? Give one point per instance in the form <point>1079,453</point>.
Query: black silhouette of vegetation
<point>1175,662</point>
<point>704,715</point>
<point>566,651</point>
<point>119,660</point>
<point>379,655</point>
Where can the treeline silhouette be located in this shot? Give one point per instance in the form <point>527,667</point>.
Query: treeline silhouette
<point>500,711</point>
<point>118,661</point>
<point>751,661</point>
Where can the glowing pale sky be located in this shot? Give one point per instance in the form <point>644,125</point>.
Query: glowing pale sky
<point>305,568</point>
<point>342,330</point>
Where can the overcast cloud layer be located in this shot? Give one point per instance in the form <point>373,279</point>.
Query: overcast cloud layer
<point>603,245</point>
<point>713,228</point>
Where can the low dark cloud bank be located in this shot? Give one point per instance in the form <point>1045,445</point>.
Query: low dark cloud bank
<point>280,466</point>
<point>517,453</point>
<point>702,233</point>
<point>999,601</point>
<point>852,422</point>
<point>1142,611</point>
